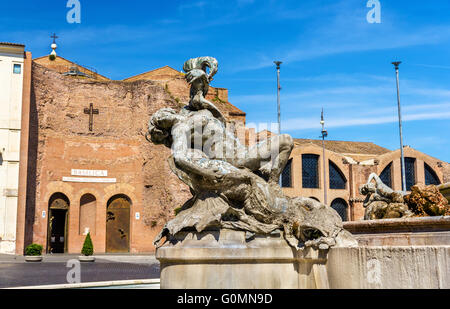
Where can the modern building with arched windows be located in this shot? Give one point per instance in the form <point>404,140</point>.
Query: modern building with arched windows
<point>348,166</point>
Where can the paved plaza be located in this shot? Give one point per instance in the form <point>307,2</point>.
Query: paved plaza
<point>16,272</point>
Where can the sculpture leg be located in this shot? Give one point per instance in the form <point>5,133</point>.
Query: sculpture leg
<point>271,156</point>
<point>248,223</point>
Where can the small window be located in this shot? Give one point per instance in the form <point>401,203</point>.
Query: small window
<point>286,181</point>
<point>430,176</point>
<point>337,179</point>
<point>17,69</point>
<point>341,208</point>
<point>410,172</point>
<point>386,175</point>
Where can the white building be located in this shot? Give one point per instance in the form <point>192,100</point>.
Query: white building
<point>11,87</point>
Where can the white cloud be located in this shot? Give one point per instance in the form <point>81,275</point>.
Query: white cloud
<point>341,28</point>
<point>350,120</point>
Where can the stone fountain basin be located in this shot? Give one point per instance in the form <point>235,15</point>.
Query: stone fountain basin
<point>226,260</point>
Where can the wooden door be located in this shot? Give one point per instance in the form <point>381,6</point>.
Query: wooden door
<point>118,226</point>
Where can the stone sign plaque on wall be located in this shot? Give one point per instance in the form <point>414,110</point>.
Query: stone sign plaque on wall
<point>92,176</point>
<point>89,173</point>
<point>89,180</point>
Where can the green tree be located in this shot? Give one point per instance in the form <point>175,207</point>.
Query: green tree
<point>88,247</point>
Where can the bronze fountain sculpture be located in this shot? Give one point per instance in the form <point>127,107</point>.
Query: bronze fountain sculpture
<point>234,186</point>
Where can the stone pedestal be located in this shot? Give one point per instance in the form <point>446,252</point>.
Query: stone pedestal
<point>389,267</point>
<point>227,260</point>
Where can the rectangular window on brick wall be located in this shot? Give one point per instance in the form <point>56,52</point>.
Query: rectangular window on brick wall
<point>310,171</point>
<point>410,172</point>
<point>286,180</point>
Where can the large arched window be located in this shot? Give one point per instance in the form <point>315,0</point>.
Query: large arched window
<point>410,172</point>
<point>341,208</point>
<point>386,175</point>
<point>310,171</point>
<point>430,176</point>
<point>337,179</point>
<point>286,176</point>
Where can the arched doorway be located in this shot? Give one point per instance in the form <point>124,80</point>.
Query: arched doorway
<point>58,217</point>
<point>341,208</point>
<point>118,224</point>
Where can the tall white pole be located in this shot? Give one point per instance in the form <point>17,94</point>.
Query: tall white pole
<point>396,64</point>
<point>324,134</point>
<point>278,63</point>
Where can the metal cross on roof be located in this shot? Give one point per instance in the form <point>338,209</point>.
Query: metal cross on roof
<point>54,37</point>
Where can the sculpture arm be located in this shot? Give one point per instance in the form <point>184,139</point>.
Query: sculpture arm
<point>381,186</point>
<point>188,159</point>
<point>198,102</point>
<point>372,177</point>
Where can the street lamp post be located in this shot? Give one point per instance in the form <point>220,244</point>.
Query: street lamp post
<point>396,64</point>
<point>324,134</point>
<point>278,63</point>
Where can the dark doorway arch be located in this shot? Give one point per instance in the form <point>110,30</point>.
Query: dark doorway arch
<point>118,224</point>
<point>341,207</point>
<point>58,223</point>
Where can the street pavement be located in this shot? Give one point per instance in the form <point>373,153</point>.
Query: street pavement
<point>54,269</point>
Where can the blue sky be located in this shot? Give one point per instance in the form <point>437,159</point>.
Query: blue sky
<point>332,57</point>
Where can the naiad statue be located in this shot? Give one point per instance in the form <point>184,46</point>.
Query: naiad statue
<point>235,186</point>
<point>199,79</point>
<point>382,202</point>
